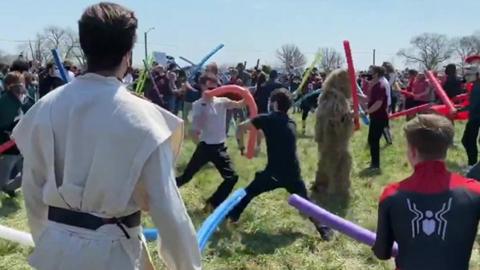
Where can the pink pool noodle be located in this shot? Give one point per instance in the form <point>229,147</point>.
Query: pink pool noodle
<point>353,82</point>
<point>335,222</point>
<point>440,92</point>
<point>410,111</point>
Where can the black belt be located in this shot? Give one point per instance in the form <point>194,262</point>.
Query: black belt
<point>91,222</point>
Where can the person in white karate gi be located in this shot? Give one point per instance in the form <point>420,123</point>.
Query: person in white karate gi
<point>95,155</point>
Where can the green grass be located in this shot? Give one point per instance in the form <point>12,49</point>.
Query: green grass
<point>271,234</point>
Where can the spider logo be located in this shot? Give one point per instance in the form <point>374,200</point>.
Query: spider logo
<point>429,220</point>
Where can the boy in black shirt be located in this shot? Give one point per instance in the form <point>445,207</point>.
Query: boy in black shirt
<point>433,214</point>
<point>283,169</point>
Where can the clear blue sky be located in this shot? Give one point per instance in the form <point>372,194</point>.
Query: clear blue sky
<point>252,29</point>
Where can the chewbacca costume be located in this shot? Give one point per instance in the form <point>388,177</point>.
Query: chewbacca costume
<point>333,130</point>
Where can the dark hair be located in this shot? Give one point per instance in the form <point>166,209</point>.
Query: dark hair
<point>107,34</point>
<point>273,74</point>
<point>207,76</point>
<point>388,67</point>
<point>283,98</point>
<point>451,70</point>
<point>261,79</point>
<point>20,66</point>
<point>380,71</point>
<point>412,72</point>
<point>431,135</point>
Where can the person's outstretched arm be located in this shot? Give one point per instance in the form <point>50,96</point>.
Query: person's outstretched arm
<point>177,242</point>
<point>385,239</point>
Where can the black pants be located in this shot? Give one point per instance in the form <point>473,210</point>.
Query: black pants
<point>217,154</point>
<point>375,131</point>
<point>266,181</point>
<point>469,140</point>
<point>393,105</point>
<point>386,133</point>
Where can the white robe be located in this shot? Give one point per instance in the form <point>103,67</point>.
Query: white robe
<point>94,147</point>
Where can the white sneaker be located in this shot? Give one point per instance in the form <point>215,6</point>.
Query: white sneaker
<point>467,169</point>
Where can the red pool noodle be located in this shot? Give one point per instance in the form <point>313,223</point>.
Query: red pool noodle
<point>353,82</point>
<point>335,222</point>
<point>252,109</point>
<point>410,111</point>
<point>5,146</point>
<point>440,92</point>
<point>472,58</point>
<point>443,110</point>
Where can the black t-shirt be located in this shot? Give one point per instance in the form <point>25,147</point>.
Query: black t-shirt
<point>453,87</point>
<point>262,95</point>
<point>280,135</point>
<point>432,215</point>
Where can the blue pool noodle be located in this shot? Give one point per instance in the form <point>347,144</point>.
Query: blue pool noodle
<point>58,62</point>
<point>211,223</point>
<point>204,60</point>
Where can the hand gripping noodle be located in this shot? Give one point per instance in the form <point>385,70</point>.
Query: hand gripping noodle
<point>335,222</point>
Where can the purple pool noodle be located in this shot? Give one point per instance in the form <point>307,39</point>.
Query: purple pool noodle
<point>335,222</point>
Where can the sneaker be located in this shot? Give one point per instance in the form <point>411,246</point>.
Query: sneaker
<point>10,193</point>
<point>467,169</point>
<point>326,233</point>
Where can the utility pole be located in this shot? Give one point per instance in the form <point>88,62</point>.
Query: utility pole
<point>145,37</point>
<point>374,57</point>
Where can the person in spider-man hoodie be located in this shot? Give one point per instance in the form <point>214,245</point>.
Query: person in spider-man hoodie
<point>433,214</point>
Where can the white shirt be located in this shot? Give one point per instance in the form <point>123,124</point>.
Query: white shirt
<point>128,79</point>
<point>93,147</point>
<point>386,84</point>
<point>210,117</point>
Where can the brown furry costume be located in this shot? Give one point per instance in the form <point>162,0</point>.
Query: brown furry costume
<point>333,130</point>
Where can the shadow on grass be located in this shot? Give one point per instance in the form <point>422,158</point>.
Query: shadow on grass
<point>369,172</point>
<point>304,136</point>
<point>8,207</point>
<point>337,204</point>
<point>260,242</point>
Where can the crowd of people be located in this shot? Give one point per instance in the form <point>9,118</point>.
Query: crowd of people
<point>92,155</point>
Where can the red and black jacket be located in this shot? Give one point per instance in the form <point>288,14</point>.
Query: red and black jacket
<point>432,215</point>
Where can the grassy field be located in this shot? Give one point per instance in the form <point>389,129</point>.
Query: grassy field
<point>271,234</point>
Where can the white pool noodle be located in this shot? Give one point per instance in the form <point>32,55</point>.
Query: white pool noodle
<point>22,238</point>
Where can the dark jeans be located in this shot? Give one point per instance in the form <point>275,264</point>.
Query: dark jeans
<point>393,105</point>
<point>386,133</point>
<point>10,167</point>
<point>217,154</point>
<point>469,140</point>
<point>266,181</point>
<point>375,130</point>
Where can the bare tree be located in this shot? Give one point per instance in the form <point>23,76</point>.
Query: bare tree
<point>465,46</point>
<point>291,56</point>
<point>54,37</point>
<point>429,50</point>
<point>331,59</point>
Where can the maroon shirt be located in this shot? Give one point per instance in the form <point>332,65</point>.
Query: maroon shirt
<point>378,92</point>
